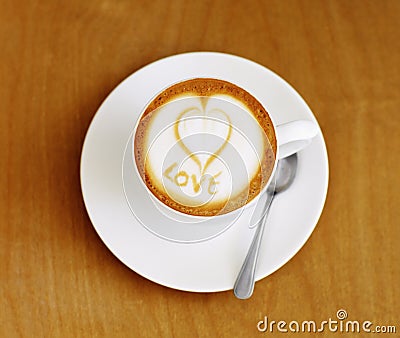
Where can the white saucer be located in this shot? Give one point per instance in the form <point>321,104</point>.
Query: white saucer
<point>211,265</point>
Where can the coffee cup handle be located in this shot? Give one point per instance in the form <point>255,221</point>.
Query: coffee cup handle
<point>294,136</point>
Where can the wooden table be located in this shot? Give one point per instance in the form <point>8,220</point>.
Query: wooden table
<point>59,60</point>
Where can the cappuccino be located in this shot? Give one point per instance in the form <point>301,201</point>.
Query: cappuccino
<point>205,147</point>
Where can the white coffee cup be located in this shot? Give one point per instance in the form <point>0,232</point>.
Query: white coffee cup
<point>290,138</point>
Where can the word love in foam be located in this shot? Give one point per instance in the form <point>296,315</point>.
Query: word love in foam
<point>181,179</point>
<point>202,134</point>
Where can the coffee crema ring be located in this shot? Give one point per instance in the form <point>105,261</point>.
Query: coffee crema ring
<point>205,147</point>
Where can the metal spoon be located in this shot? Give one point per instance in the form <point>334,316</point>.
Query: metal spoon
<point>284,176</point>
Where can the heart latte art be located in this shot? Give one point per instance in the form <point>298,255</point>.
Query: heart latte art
<point>205,147</point>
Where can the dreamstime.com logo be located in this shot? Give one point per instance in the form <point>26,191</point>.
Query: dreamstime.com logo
<point>338,324</point>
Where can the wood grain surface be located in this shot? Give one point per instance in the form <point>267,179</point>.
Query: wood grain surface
<point>58,62</point>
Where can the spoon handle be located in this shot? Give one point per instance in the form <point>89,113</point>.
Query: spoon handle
<point>244,284</point>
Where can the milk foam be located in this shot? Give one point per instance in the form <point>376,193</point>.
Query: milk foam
<point>203,150</point>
